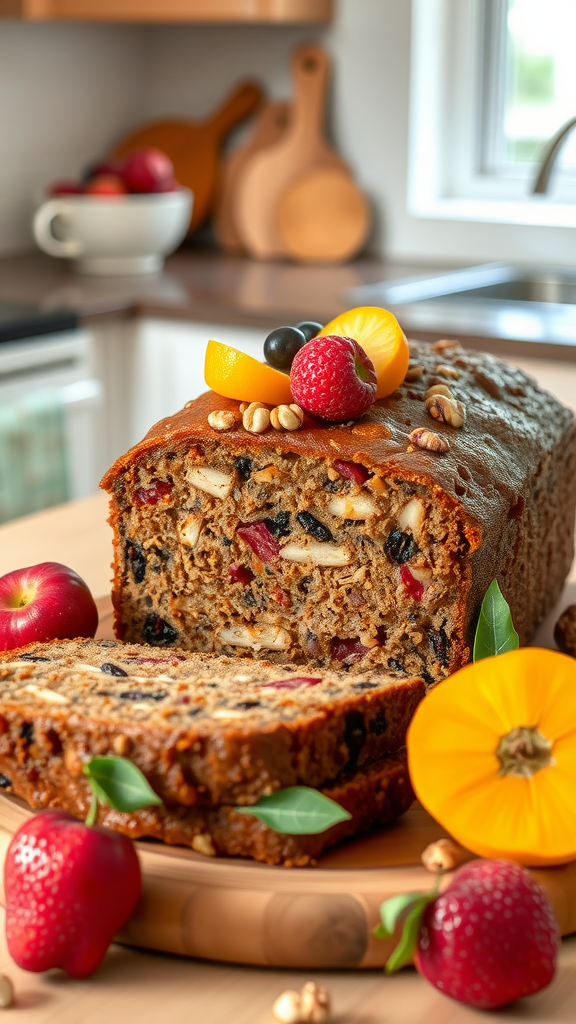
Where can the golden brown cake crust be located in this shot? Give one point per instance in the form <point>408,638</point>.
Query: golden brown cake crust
<point>509,476</point>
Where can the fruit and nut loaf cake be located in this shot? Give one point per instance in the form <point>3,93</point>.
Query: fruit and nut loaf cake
<point>209,733</point>
<point>204,730</point>
<point>369,543</point>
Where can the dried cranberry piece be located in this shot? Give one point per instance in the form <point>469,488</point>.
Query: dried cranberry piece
<point>282,597</point>
<point>414,587</point>
<point>348,651</point>
<point>157,491</point>
<point>158,632</point>
<point>313,526</point>
<point>400,547</point>
<point>352,471</point>
<point>294,682</point>
<point>240,574</point>
<point>258,537</point>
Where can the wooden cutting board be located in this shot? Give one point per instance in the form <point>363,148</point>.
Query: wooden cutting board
<point>220,908</point>
<point>271,123</point>
<point>194,147</point>
<point>323,217</point>
<point>303,146</point>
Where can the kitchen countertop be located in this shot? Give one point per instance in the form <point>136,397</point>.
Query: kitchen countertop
<point>201,284</point>
<point>149,987</point>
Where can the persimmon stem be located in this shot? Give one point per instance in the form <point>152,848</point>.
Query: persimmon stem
<point>523,752</point>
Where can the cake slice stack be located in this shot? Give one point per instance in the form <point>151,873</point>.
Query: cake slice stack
<point>210,734</point>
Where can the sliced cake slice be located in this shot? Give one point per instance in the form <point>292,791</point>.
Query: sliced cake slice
<point>374,796</point>
<point>204,730</point>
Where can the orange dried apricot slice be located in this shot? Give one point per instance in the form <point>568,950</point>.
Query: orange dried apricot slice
<point>234,374</point>
<point>381,337</point>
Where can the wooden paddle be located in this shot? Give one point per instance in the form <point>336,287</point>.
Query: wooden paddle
<point>271,123</point>
<point>323,217</point>
<point>303,146</point>
<point>194,147</point>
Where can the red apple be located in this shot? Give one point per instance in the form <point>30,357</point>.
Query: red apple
<point>44,602</point>
<point>65,188</point>
<point>105,185</point>
<point>148,170</point>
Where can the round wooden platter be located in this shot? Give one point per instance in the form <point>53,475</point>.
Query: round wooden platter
<point>322,917</point>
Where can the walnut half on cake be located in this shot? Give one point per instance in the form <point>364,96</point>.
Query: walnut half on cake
<point>370,543</point>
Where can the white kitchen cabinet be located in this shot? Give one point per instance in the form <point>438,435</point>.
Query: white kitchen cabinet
<point>150,368</point>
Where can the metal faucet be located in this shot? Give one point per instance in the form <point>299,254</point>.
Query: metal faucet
<point>549,158</point>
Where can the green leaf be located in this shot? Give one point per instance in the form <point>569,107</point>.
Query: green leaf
<point>495,633</point>
<point>391,909</point>
<point>405,949</point>
<point>297,811</point>
<point>118,783</point>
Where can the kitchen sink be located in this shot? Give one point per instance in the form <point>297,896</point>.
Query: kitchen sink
<point>496,301</point>
<point>494,281</point>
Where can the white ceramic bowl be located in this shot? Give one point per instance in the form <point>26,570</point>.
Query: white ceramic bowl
<point>114,234</point>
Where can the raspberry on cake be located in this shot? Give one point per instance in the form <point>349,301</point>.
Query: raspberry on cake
<point>381,545</point>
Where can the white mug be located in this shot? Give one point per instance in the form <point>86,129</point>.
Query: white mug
<point>128,234</point>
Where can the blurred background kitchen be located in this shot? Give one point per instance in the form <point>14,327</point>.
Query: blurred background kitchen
<point>386,147</point>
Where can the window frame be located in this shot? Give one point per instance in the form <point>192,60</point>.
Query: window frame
<point>455,170</point>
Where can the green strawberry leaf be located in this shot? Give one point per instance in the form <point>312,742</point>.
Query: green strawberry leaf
<point>495,633</point>
<point>118,783</point>
<point>391,909</point>
<point>297,811</point>
<point>404,951</point>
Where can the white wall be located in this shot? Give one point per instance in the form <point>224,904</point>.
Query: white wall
<point>66,91</point>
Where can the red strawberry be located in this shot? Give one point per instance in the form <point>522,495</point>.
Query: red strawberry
<point>333,378</point>
<point>69,889</point>
<point>489,938</point>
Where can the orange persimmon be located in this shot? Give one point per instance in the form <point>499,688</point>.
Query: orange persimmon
<point>492,756</point>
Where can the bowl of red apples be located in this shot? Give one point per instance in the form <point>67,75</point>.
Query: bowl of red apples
<point>123,219</point>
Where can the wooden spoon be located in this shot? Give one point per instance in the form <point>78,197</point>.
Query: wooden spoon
<point>194,147</point>
<point>323,217</point>
<point>271,123</point>
<point>303,146</point>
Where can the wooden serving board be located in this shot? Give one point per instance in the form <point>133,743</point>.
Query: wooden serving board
<point>242,912</point>
<point>238,911</point>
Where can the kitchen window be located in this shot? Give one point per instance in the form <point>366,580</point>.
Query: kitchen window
<point>491,82</point>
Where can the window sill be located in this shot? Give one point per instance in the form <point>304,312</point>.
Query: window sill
<point>536,212</point>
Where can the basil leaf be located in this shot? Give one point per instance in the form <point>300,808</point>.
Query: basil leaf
<point>495,633</point>
<point>297,811</point>
<point>118,783</point>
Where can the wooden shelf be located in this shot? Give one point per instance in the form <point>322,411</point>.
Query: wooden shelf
<point>215,11</point>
